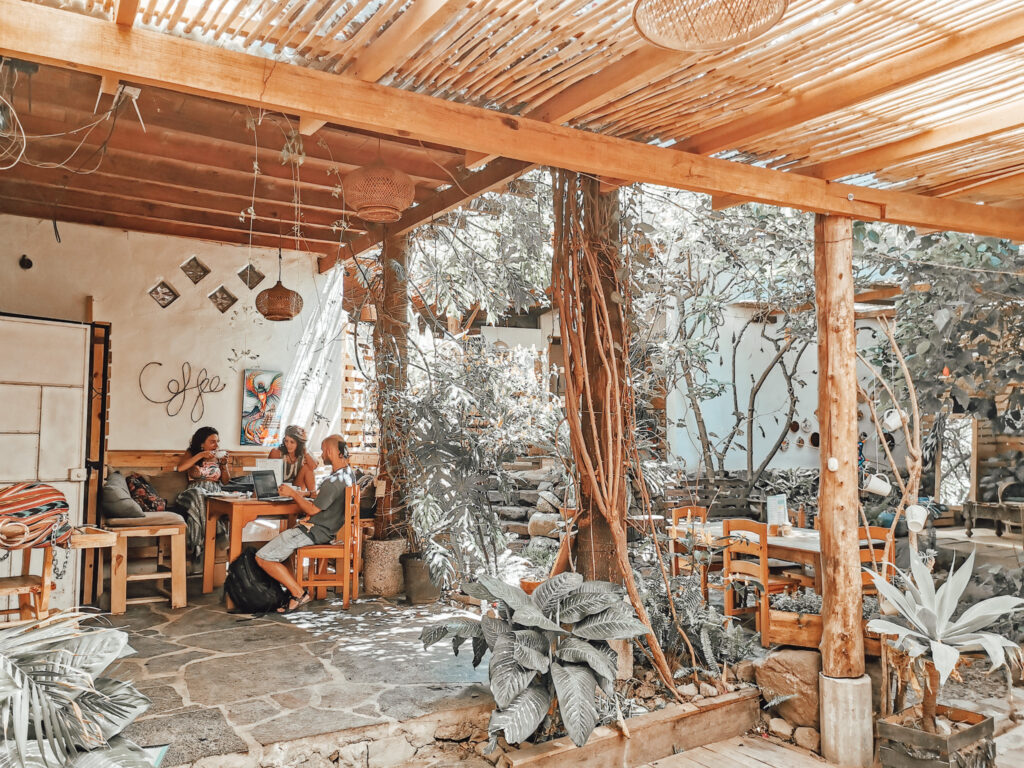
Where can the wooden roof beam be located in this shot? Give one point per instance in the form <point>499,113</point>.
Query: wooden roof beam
<point>308,125</point>
<point>418,24</point>
<point>636,70</point>
<point>125,12</point>
<point>1010,182</point>
<point>896,72</point>
<point>52,36</point>
<point>957,133</point>
<point>469,186</point>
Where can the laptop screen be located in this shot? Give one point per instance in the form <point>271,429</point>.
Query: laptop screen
<point>264,483</point>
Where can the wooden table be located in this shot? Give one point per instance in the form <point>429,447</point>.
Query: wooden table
<point>1001,512</point>
<point>240,512</point>
<point>802,546</point>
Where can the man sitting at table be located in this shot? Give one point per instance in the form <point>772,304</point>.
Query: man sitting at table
<point>324,515</point>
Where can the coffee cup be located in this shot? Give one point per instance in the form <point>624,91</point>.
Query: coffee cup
<point>917,516</point>
<point>220,454</point>
<point>878,484</point>
<point>893,419</point>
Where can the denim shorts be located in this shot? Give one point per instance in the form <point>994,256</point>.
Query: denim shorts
<point>281,547</point>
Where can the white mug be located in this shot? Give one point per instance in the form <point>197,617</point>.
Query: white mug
<point>893,419</point>
<point>917,516</point>
<point>878,484</point>
<point>220,453</point>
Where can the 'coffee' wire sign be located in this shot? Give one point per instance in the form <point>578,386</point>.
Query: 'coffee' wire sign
<point>180,389</point>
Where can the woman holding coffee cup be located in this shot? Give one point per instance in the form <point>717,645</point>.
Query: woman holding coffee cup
<point>206,466</point>
<point>298,463</point>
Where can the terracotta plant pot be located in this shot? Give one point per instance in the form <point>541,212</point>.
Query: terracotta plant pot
<point>382,570</point>
<point>528,585</point>
<point>419,589</point>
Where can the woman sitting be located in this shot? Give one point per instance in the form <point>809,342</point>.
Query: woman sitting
<point>298,463</point>
<point>206,467</point>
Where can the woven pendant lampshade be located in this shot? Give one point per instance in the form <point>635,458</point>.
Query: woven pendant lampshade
<point>278,302</point>
<point>705,25</point>
<point>378,192</point>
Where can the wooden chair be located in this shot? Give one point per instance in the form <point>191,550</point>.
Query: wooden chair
<point>745,561</point>
<point>691,518</point>
<point>33,592</point>
<point>874,555</point>
<point>169,531</point>
<point>338,564</point>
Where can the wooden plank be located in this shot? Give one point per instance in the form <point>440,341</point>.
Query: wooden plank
<point>730,755</point>
<point>900,70</point>
<point>959,132</point>
<point>308,125</point>
<point>418,24</point>
<point>52,36</point>
<point>125,12</point>
<point>779,755</point>
<point>842,642</point>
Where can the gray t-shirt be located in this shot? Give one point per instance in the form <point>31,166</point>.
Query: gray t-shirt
<point>330,499</point>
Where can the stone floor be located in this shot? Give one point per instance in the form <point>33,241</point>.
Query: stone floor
<point>224,684</point>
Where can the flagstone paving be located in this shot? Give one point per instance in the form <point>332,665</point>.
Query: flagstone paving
<point>223,684</point>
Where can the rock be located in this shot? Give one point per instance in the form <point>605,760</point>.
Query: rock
<point>689,690</point>
<point>540,543</point>
<point>544,525</point>
<point>497,497</point>
<point>779,727</point>
<point>646,691</point>
<point>657,702</point>
<point>528,497</point>
<point>456,732</point>
<point>545,486</point>
<point>513,513</point>
<point>519,529</point>
<point>708,691</point>
<point>792,673</point>
<point>526,478</point>
<point>548,502</point>
<point>698,697</point>
<point>744,671</point>
<point>808,738</point>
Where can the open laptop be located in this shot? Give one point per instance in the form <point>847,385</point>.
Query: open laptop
<point>264,483</point>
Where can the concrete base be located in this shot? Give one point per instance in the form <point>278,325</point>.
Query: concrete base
<point>847,731</point>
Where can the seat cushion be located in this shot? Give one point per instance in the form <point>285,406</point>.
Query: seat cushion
<point>117,501</point>
<point>149,518</point>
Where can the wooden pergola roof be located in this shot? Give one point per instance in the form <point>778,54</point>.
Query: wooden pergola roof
<point>916,106</point>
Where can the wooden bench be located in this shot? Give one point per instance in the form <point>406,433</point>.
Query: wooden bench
<point>723,497</point>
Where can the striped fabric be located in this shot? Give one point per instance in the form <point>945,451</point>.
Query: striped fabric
<point>31,515</point>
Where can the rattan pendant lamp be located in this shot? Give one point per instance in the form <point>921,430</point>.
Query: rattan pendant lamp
<point>705,25</point>
<point>377,192</point>
<point>277,302</point>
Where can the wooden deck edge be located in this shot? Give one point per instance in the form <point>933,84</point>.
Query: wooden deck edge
<point>652,736</point>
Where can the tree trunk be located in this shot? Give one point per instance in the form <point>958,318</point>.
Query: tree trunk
<point>929,699</point>
<point>390,354</point>
<point>595,540</point>
<point>842,638</point>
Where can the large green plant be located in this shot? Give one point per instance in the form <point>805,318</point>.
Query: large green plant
<point>545,647</point>
<point>928,633</point>
<point>55,709</point>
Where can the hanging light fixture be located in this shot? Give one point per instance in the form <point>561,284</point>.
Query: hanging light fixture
<point>378,192</point>
<point>278,302</point>
<point>705,25</point>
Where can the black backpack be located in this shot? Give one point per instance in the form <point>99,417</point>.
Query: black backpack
<point>250,587</point>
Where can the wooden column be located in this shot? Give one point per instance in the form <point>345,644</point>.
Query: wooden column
<point>595,542</point>
<point>390,352</point>
<point>842,640</point>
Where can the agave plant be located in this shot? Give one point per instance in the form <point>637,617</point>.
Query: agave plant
<point>55,710</point>
<point>545,647</point>
<point>930,635</point>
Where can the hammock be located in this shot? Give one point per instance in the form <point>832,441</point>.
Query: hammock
<point>31,515</point>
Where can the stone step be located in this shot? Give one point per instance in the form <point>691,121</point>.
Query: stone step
<point>519,529</point>
<point>513,513</point>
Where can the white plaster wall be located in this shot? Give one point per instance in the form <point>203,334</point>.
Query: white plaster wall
<point>515,337</point>
<point>771,407</point>
<point>117,269</point>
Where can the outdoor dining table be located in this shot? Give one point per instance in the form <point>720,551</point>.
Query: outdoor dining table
<point>802,546</point>
<point>239,512</point>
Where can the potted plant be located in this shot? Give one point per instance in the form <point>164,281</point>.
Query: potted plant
<point>549,651</point>
<point>932,643</point>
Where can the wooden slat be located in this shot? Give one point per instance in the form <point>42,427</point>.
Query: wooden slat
<point>125,11</point>
<point>40,34</point>
<point>911,66</point>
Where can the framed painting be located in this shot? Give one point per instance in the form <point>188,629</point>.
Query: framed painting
<point>261,396</point>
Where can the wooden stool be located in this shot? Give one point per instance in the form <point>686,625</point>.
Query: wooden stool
<point>33,591</point>
<point>158,525</point>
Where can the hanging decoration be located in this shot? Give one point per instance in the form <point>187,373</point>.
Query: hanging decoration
<point>705,25</point>
<point>278,302</point>
<point>378,192</point>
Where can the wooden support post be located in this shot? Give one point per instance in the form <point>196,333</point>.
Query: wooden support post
<point>595,540</point>
<point>845,691</point>
<point>842,642</point>
<point>390,349</point>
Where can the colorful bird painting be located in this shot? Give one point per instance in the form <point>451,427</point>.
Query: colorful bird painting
<point>261,394</point>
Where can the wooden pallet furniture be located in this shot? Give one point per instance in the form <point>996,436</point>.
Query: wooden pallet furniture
<point>169,531</point>
<point>722,496</point>
<point>320,567</point>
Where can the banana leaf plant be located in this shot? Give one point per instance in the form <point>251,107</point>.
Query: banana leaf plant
<point>56,711</point>
<point>928,633</point>
<point>551,646</point>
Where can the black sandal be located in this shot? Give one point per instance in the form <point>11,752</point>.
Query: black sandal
<point>299,601</point>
